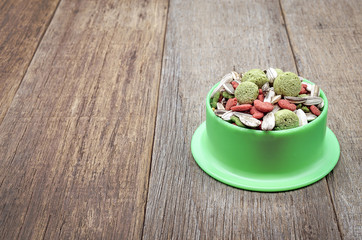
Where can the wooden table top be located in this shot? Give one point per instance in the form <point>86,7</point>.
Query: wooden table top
<point>99,100</point>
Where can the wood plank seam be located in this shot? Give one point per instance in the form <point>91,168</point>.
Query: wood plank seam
<point>17,146</point>
<point>334,208</point>
<point>155,119</point>
<point>31,59</point>
<point>46,227</point>
<point>296,67</point>
<point>287,33</point>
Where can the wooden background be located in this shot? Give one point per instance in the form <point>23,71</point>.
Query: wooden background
<point>99,101</point>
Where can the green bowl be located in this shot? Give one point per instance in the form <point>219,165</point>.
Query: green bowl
<point>265,161</point>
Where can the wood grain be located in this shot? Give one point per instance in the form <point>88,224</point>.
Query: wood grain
<point>204,41</point>
<point>22,25</point>
<point>75,145</point>
<point>327,37</point>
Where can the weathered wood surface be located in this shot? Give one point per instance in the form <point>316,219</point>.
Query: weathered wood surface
<point>204,40</point>
<point>327,38</point>
<point>75,145</point>
<point>76,140</point>
<point>22,25</point>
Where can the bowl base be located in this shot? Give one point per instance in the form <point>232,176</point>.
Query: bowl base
<point>200,148</point>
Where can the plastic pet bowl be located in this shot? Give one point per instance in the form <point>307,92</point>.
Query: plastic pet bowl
<point>267,161</point>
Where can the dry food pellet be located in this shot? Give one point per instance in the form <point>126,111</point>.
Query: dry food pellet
<point>237,121</point>
<point>315,110</point>
<point>230,103</point>
<point>283,103</point>
<point>235,84</point>
<point>263,107</point>
<point>305,109</point>
<point>227,95</point>
<point>241,108</point>
<point>215,99</point>
<point>256,114</point>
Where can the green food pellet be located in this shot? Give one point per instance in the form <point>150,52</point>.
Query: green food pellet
<point>285,119</point>
<point>287,84</point>
<point>227,95</point>
<point>305,109</point>
<point>299,106</point>
<point>237,121</point>
<point>246,92</point>
<point>215,99</point>
<point>256,76</point>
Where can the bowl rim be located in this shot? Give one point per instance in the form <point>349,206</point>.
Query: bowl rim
<point>274,132</point>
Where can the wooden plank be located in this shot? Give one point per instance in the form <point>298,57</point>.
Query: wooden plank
<point>326,37</point>
<point>22,25</point>
<point>75,146</point>
<point>205,40</point>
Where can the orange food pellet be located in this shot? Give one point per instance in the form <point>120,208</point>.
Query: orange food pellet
<point>264,107</point>
<point>315,110</point>
<point>241,108</point>
<point>256,114</point>
<point>235,84</point>
<point>283,103</point>
<point>303,90</point>
<point>230,103</point>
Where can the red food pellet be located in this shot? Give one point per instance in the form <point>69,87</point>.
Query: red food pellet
<point>283,103</point>
<point>303,90</point>
<point>241,108</point>
<point>252,110</point>
<point>263,107</point>
<point>304,85</point>
<point>261,97</point>
<point>230,103</point>
<point>260,91</point>
<point>256,114</point>
<point>235,84</point>
<point>315,110</point>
